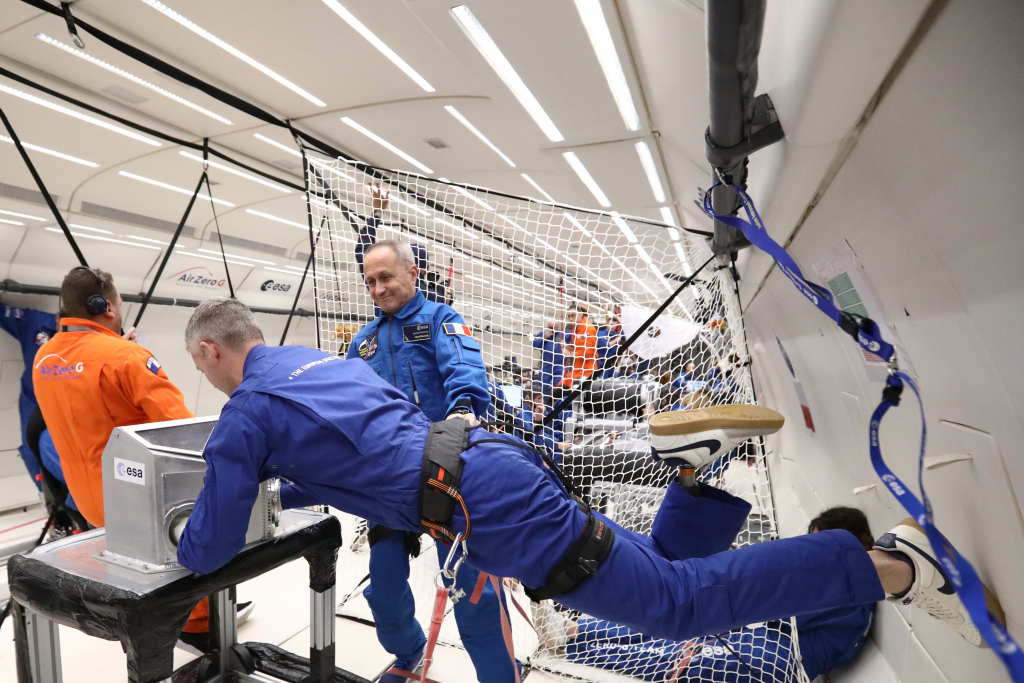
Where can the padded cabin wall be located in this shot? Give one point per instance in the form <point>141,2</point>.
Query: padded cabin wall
<point>930,202</point>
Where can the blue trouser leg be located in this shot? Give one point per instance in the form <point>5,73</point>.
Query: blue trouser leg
<point>391,599</point>
<point>523,522</point>
<point>27,406</point>
<point>480,625</point>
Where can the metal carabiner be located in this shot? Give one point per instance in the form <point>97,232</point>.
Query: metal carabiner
<point>892,367</point>
<point>449,570</point>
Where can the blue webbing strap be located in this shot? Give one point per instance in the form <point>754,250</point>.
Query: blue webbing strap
<point>868,336</point>
<point>864,330</point>
<point>960,572</point>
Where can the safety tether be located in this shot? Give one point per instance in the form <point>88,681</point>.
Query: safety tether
<point>866,332</point>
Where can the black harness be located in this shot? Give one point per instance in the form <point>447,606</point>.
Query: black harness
<point>439,492</point>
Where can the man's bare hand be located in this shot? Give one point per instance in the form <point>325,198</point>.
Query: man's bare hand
<point>129,335</point>
<point>468,417</point>
<point>381,197</point>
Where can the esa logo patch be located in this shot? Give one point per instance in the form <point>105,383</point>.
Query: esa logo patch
<point>42,338</point>
<point>368,347</point>
<point>153,365</point>
<point>416,333</point>
<point>127,470</point>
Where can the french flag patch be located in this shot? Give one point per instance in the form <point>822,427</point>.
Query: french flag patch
<point>153,365</point>
<point>455,329</point>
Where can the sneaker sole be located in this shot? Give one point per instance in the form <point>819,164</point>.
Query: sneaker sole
<point>745,417</point>
<point>991,601</point>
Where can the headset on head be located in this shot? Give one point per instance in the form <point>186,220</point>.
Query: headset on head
<point>95,304</point>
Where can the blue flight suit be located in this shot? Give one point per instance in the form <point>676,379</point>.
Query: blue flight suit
<point>51,461</point>
<point>552,362</point>
<point>424,351</point>
<point>344,437</point>
<point>32,329</point>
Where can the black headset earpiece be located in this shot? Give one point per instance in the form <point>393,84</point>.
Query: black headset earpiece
<point>95,304</point>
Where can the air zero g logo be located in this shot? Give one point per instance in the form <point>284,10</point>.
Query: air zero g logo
<point>271,286</point>
<point>62,370</point>
<point>127,470</point>
<point>197,277</point>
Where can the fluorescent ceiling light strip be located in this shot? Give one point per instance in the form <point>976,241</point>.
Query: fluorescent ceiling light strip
<point>105,239</point>
<point>10,222</point>
<point>469,233</point>
<point>23,215</point>
<point>172,188</point>
<point>288,272</point>
<point>78,115</point>
<point>643,254</point>
<point>601,40</point>
<point>350,19</point>
<point>199,30</point>
<point>43,150</point>
<point>145,239</point>
<point>666,217</point>
<point>301,270</point>
<point>538,187</point>
<point>86,227</point>
<point>422,212</point>
<point>624,228</point>
<point>275,143</point>
<point>487,47</point>
<point>588,180</point>
<point>222,167</point>
<point>254,212</point>
<point>384,143</point>
<point>473,129</point>
<point>325,167</point>
<point>472,196</point>
<point>687,271</point>
<point>132,77</point>
<point>244,258</point>
<point>647,160</point>
<point>211,258</point>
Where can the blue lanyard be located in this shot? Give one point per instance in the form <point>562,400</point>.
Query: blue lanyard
<point>864,330</point>
<point>867,334</point>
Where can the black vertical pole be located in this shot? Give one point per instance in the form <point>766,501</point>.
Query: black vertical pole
<point>309,219</point>
<point>42,189</point>
<point>170,248</point>
<point>216,223</point>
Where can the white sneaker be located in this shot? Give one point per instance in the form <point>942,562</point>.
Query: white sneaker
<point>551,625</point>
<point>931,589</point>
<point>694,438</point>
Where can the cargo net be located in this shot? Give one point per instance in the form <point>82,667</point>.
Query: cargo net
<point>550,292</point>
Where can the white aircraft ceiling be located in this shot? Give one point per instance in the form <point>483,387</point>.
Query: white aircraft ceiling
<point>820,86</point>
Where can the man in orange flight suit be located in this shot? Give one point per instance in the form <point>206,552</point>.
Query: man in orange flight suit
<point>89,380</point>
<point>581,347</point>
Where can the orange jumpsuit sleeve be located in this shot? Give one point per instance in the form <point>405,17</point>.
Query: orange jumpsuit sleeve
<point>146,385</point>
<point>590,343</point>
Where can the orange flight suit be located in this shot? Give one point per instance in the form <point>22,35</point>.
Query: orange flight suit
<point>88,382</point>
<point>584,346</point>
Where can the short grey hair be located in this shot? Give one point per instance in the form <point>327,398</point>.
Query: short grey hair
<point>401,250</point>
<point>226,322</point>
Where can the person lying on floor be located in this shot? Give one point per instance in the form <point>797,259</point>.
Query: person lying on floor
<point>342,436</point>
<point>752,654</point>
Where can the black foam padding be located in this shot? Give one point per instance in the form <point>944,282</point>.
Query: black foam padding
<point>148,625</point>
<point>289,666</point>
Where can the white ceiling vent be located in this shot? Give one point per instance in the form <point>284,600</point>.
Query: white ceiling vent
<point>437,143</point>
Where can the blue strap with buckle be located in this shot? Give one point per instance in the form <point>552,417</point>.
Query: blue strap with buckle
<point>868,335</point>
<point>864,330</point>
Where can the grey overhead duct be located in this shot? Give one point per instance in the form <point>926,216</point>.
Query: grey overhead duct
<point>740,123</point>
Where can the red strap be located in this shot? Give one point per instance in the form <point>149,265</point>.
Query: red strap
<point>481,581</point>
<point>522,612</point>
<point>440,600</point>
<point>506,627</point>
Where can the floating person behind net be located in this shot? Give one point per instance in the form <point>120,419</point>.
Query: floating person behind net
<point>345,437</point>
<point>762,653</point>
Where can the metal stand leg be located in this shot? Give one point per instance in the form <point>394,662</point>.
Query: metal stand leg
<point>43,637</point>
<point>321,642</point>
<point>223,627</point>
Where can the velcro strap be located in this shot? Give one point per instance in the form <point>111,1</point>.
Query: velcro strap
<point>442,462</point>
<point>580,561</point>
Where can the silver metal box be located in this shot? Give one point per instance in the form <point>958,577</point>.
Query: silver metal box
<point>152,474</point>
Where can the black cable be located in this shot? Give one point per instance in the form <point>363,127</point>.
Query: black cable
<point>216,223</point>
<point>42,190</point>
<point>750,672</point>
<point>312,241</point>
<point>170,248</point>
<point>585,384</point>
<point>298,293</point>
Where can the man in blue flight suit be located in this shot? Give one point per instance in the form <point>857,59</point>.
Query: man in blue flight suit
<point>32,329</point>
<point>552,362</point>
<point>343,436</point>
<point>424,349</point>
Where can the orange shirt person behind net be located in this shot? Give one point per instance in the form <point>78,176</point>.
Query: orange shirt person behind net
<point>582,349</point>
